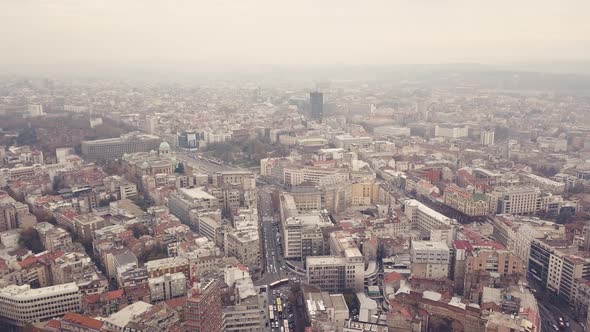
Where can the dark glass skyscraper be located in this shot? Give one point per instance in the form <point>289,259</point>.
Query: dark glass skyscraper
<point>316,100</point>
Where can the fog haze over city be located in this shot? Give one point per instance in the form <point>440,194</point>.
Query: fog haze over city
<point>216,35</point>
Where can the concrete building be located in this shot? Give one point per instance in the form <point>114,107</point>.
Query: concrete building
<point>170,265</point>
<point>430,259</point>
<point>316,103</point>
<point>337,274</point>
<point>244,244</point>
<point>21,305</point>
<point>365,193</point>
<point>113,148</point>
<point>14,214</point>
<point>556,264</point>
<point>347,141</point>
<point>326,312</point>
<point>168,286</point>
<point>515,200</point>
<point>53,238</point>
<point>86,224</point>
<point>119,320</point>
<point>502,262</point>
<point>184,200</point>
<point>203,312</point>
<point>246,310</point>
<point>549,185</point>
<point>302,235</point>
<point>450,131</point>
<point>391,131</point>
<point>368,308</point>
<point>518,232</point>
<point>430,223</point>
<point>487,137</point>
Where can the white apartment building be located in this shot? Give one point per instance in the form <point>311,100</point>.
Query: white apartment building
<point>21,305</point>
<point>293,230</point>
<point>430,223</point>
<point>337,274</point>
<point>515,200</point>
<point>168,286</point>
<point>430,259</point>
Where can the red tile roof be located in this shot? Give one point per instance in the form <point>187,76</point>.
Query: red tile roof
<point>54,323</point>
<point>85,321</point>
<point>462,244</point>
<point>115,294</point>
<point>392,277</point>
<point>92,298</point>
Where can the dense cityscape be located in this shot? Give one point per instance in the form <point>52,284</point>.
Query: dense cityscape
<point>294,166</point>
<point>332,206</point>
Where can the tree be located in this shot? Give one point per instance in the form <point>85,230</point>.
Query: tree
<point>29,238</point>
<point>107,201</point>
<point>139,230</point>
<point>180,168</point>
<point>564,216</point>
<point>27,137</point>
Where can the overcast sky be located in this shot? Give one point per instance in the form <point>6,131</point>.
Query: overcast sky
<point>307,32</point>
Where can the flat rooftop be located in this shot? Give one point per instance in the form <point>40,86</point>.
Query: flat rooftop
<point>197,193</point>
<point>429,245</point>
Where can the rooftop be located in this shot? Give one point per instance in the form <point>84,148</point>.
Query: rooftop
<point>123,316</point>
<point>197,193</point>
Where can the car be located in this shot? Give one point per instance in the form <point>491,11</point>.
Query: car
<point>555,327</point>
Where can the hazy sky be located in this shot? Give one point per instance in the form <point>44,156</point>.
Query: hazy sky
<point>244,32</point>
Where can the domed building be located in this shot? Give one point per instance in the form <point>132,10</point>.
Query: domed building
<point>164,149</point>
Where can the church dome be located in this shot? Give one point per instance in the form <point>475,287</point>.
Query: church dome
<point>164,146</point>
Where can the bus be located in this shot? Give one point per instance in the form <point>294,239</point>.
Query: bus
<point>286,325</point>
<point>279,307</point>
<point>279,282</point>
<point>271,313</point>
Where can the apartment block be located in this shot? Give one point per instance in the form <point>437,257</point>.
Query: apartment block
<point>203,312</point>
<point>171,265</point>
<point>430,222</point>
<point>430,259</point>
<point>337,274</point>
<point>168,286</point>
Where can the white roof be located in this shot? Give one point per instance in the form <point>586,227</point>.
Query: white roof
<point>24,292</point>
<point>123,316</point>
<point>197,193</point>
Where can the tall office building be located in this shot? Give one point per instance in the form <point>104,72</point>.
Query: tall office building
<point>203,308</point>
<point>487,137</point>
<point>316,101</point>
